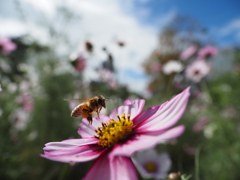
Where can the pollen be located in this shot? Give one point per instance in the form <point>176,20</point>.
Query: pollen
<point>114,131</point>
<point>150,167</point>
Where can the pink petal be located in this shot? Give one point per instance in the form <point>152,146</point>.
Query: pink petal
<point>70,143</point>
<point>100,170</point>
<point>128,102</point>
<point>76,154</point>
<point>87,130</point>
<point>134,109</point>
<point>122,168</point>
<point>207,51</point>
<point>188,52</point>
<point>145,141</point>
<point>147,114</point>
<point>113,168</point>
<point>166,116</point>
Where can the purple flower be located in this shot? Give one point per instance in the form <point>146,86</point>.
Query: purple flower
<point>112,140</point>
<point>207,51</point>
<point>150,164</point>
<point>188,52</point>
<point>7,45</point>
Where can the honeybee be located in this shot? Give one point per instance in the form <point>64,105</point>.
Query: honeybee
<point>88,107</point>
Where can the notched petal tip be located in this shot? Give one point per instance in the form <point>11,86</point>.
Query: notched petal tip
<point>134,108</point>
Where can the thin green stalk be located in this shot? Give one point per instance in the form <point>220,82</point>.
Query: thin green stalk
<point>197,163</point>
<point>63,171</point>
<point>205,87</point>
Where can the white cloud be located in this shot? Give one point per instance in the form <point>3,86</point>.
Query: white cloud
<point>102,21</point>
<point>13,27</point>
<point>45,6</point>
<point>231,27</point>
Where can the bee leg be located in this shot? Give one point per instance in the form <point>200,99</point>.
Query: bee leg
<point>99,111</point>
<point>89,118</point>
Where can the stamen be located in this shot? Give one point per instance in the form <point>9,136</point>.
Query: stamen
<point>114,131</point>
<point>118,116</point>
<point>150,167</point>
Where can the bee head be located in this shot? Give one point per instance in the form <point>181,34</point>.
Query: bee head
<point>101,101</point>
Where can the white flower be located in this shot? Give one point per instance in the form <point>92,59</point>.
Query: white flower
<point>19,119</point>
<point>12,87</point>
<point>150,164</point>
<point>208,131</point>
<point>172,66</point>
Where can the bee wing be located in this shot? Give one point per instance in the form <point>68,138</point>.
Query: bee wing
<point>76,100</point>
<point>77,111</point>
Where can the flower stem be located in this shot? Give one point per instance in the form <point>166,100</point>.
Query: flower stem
<point>63,172</point>
<point>197,163</point>
<point>205,87</point>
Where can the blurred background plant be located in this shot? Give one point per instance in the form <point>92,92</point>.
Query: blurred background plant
<point>36,77</point>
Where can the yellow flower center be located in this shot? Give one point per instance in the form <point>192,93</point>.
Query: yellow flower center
<point>114,131</point>
<point>150,167</point>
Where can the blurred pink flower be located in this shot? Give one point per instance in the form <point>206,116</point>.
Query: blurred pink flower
<point>27,102</point>
<point>113,84</point>
<point>150,164</point>
<point>197,70</point>
<point>190,150</point>
<point>202,121</point>
<point>107,76</point>
<point>7,45</point>
<point>188,52</point>
<point>156,67</point>
<point>207,51</point>
<point>112,142</point>
<point>80,63</point>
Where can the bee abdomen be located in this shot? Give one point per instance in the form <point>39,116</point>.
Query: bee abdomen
<point>76,112</point>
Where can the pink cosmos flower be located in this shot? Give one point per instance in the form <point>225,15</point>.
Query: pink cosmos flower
<point>207,51</point>
<point>27,102</point>
<point>107,76</point>
<point>190,150</point>
<point>112,140</point>
<point>7,45</point>
<point>188,52</point>
<point>80,63</point>
<point>197,70</point>
<point>156,67</point>
<point>202,122</point>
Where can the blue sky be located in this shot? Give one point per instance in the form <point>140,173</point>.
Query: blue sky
<point>213,15</point>
<point>136,22</point>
